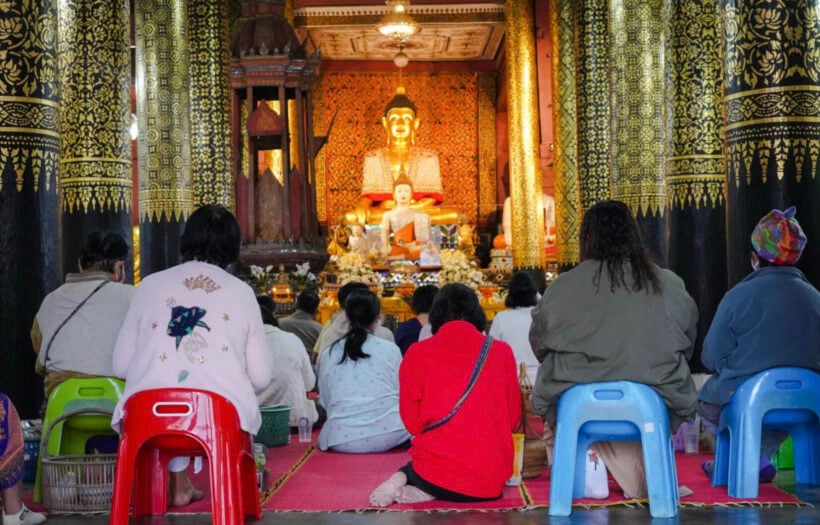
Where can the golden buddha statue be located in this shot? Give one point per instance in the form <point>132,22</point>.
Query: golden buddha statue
<point>384,165</point>
<point>410,228</point>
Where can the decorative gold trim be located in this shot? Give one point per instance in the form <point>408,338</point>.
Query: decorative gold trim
<point>30,131</point>
<point>33,100</point>
<point>487,178</point>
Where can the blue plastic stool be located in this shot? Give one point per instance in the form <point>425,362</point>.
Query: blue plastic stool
<point>784,398</point>
<point>613,411</point>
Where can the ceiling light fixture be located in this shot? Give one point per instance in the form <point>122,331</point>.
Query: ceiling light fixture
<point>398,25</point>
<point>401,59</point>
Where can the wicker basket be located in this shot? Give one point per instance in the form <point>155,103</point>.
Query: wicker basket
<point>275,429</point>
<point>77,484</point>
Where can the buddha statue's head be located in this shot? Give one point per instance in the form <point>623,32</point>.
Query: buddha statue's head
<point>402,190</point>
<point>400,120</point>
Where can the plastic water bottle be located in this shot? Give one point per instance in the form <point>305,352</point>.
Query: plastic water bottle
<point>260,453</point>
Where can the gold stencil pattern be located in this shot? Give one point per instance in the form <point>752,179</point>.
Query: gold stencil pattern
<point>594,128</point>
<point>29,92</point>
<point>638,35</point>
<point>696,165</point>
<point>210,103</point>
<point>567,204</point>
<point>773,89</point>
<point>95,149</point>
<point>163,110</point>
<point>487,185</point>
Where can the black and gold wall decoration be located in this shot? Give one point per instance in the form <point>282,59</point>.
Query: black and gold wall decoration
<point>209,37</point>
<point>593,132</point>
<point>638,34</point>
<point>95,149</point>
<point>695,160</point>
<point>567,194</point>
<point>772,80</point>
<point>29,145</point>
<point>163,108</point>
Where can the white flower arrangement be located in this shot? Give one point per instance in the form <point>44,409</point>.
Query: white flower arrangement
<point>261,277</point>
<point>456,267</point>
<point>353,267</point>
<point>303,276</point>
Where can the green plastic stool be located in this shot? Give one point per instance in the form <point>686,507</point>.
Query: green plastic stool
<point>71,435</point>
<point>783,459</point>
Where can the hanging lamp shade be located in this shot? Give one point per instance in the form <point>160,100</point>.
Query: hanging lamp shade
<point>398,25</point>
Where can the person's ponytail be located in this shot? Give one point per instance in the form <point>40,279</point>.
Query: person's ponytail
<point>362,308</point>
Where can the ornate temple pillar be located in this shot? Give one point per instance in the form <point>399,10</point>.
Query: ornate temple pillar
<point>525,173</point>
<point>594,115</point>
<point>163,96</point>
<point>772,80</point>
<point>29,143</point>
<point>638,32</point>
<point>95,151</point>
<point>564,77</point>
<point>211,152</point>
<point>695,161</point>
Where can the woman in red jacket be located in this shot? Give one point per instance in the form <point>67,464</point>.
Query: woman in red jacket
<point>470,456</point>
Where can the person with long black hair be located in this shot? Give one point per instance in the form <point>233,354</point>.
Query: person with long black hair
<point>359,384</point>
<point>616,316</point>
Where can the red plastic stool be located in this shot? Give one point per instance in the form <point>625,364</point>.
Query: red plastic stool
<point>162,423</point>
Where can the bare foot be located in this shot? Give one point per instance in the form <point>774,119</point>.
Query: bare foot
<point>385,494</point>
<point>183,491</point>
<point>411,494</point>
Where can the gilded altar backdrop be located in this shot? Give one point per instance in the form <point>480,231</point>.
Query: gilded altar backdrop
<point>447,107</point>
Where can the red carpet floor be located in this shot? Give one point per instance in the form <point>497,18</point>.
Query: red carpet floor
<point>302,478</point>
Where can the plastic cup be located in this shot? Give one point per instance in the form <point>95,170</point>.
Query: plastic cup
<point>305,430</point>
<point>518,459</point>
<point>691,436</point>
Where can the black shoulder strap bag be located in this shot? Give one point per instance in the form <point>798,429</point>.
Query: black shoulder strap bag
<point>482,357</point>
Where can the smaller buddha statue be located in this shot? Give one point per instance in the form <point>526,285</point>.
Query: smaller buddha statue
<point>410,228</point>
<point>383,166</point>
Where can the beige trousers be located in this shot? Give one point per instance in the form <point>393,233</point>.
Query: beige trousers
<point>623,459</point>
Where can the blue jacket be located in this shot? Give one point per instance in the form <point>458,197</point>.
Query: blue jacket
<point>771,318</point>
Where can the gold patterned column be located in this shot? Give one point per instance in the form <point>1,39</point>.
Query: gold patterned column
<point>695,162</point>
<point>594,116</point>
<point>567,195</point>
<point>772,86</point>
<point>29,143</point>
<point>487,179</point>
<point>638,35</point>
<point>163,105</point>
<point>95,151</point>
<point>525,174</point>
<point>210,103</point>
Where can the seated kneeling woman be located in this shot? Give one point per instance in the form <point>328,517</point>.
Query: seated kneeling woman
<point>359,384</point>
<point>469,456</point>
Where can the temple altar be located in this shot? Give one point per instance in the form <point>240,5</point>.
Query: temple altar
<point>400,309</point>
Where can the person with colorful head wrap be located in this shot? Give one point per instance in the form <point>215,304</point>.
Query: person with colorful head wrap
<point>771,318</point>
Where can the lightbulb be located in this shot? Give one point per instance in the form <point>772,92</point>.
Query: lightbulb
<point>401,59</point>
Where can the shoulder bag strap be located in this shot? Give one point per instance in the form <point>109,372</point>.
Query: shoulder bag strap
<point>482,358</point>
<point>76,308</point>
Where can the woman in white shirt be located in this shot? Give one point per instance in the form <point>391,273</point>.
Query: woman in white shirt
<point>293,375</point>
<point>513,326</point>
<point>359,384</point>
